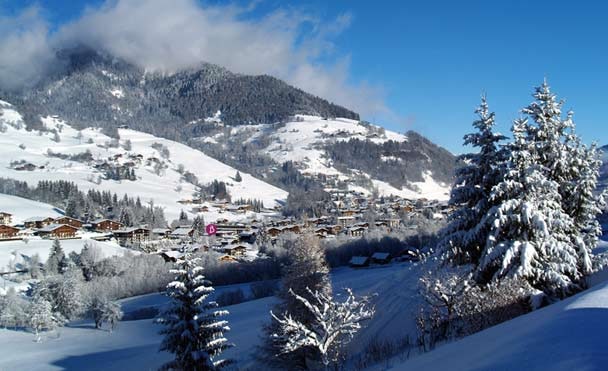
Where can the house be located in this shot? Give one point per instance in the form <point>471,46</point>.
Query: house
<point>381,258</point>
<point>57,231</point>
<point>359,261</point>
<point>247,236</point>
<point>182,233</point>
<point>235,250</point>
<point>346,220</point>
<point>161,233</point>
<point>8,233</point>
<point>38,222</point>
<point>228,259</point>
<point>76,223</point>
<point>130,236</point>
<point>356,231</point>
<point>5,218</point>
<point>170,256</point>
<point>274,231</point>
<point>105,225</point>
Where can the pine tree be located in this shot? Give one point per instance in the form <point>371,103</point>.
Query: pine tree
<point>467,231</point>
<point>126,217</point>
<point>193,332</point>
<point>56,263</point>
<point>530,234</point>
<point>237,177</point>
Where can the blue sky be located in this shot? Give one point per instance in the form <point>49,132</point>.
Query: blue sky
<point>431,60</point>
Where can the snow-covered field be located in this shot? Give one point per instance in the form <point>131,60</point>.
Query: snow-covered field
<point>22,208</point>
<point>134,345</point>
<point>569,335</point>
<point>18,144</point>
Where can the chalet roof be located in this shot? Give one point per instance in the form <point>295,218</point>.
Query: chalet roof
<point>97,221</point>
<point>37,219</point>
<point>172,254</point>
<point>358,260</point>
<point>10,227</point>
<point>182,231</point>
<point>52,227</point>
<point>160,230</point>
<point>67,217</point>
<point>381,255</point>
<point>130,230</point>
<point>3,213</point>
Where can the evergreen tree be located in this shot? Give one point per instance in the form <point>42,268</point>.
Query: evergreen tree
<point>193,332</point>
<point>126,217</point>
<point>57,262</point>
<point>237,177</point>
<point>530,234</point>
<point>467,231</point>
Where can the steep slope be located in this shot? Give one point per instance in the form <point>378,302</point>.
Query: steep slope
<point>341,152</point>
<point>23,209</point>
<point>86,157</point>
<point>568,335</point>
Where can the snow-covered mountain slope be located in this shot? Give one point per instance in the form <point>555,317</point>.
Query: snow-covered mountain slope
<point>569,335</point>
<point>22,208</point>
<point>24,155</point>
<point>392,163</point>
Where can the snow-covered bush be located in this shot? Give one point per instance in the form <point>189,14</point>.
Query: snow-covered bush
<point>103,310</point>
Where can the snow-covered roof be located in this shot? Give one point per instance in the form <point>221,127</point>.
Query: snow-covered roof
<point>381,255</point>
<point>358,260</point>
<point>52,227</point>
<point>182,231</point>
<point>37,219</point>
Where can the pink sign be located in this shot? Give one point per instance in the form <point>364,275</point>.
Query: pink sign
<point>211,229</point>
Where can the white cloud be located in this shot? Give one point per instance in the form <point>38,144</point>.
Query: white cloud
<point>173,35</point>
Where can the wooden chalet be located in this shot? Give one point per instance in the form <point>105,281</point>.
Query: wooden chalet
<point>6,218</point>
<point>106,225</point>
<point>356,231</point>
<point>8,233</point>
<point>130,236</point>
<point>235,250</point>
<point>57,231</point>
<point>182,233</point>
<point>76,223</point>
<point>38,222</point>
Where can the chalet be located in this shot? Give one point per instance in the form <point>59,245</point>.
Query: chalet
<point>235,250</point>
<point>170,256</point>
<point>69,221</point>
<point>359,261</point>
<point>57,231</point>
<point>381,258</point>
<point>38,222</point>
<point>8,233</point>
<point>334,229</point>
<point>247,236</point>
<point>105,225</point>
<point>5,218</point>
<point>356,231</point>
<point>346,220</point>
<point>130,236</point>
<point>348,212</point>
<point>228,259</point>
<point>182,233</point>
<point>161,233</point>
<point>322,231</point>
<point>293,228</point>
<point>274,231</point>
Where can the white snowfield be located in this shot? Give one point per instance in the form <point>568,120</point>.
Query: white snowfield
<point>18,144</point>
<point>300,142</point>
<point>23,209</point>
<point>566,336</point>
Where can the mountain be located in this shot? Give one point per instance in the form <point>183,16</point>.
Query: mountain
<point>257,124</point>
<point>139,164</point>
<point>95,89</point>
<point>604,168</point>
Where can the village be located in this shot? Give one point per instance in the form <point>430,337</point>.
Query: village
<point>237,233</point>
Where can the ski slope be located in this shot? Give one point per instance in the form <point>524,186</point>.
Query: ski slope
<point>165,188</point>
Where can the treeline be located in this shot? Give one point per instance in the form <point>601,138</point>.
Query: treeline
<point>86,206</point>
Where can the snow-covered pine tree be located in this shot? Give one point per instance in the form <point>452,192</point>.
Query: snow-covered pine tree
<point>335,324</point>
<point>572,165</point>
<point>307,272</point>
<point>193,332</point>
<point>530,234</point>
<point>467,230</point>
<point>56,263</point>
<point>103,310</point>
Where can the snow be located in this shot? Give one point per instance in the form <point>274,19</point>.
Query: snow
<point>23,209</point>
<point>568,335</point>
<point>165,189</point>
<point>117,92</point>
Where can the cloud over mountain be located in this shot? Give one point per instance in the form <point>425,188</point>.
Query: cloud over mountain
<point>173,35</point>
